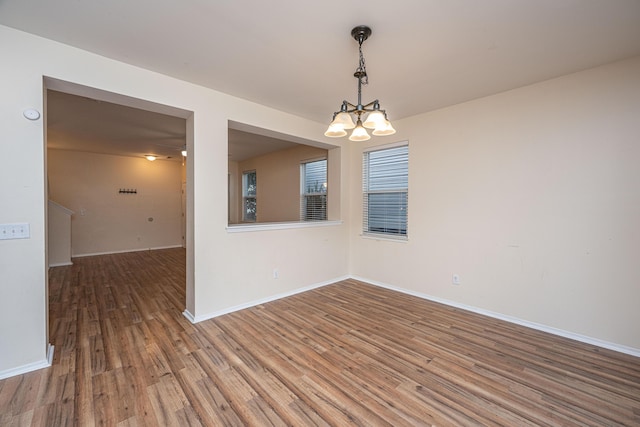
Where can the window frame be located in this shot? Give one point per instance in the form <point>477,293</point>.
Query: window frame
<point>304,195</point>
<point>396,188</point>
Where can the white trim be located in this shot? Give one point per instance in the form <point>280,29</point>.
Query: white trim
<point>60,264</point>
<point>265,300</point>
<point>385,237</point>
<point>50,350</point>
<point>313,159</point>
<point>41,364</point>
<point>243,228</point>
<point>60,207</point>
<point>24,369</point>
<point>186,313</point>
<point>537,326</point>
<point>126,251</point>
<point>385,146</point>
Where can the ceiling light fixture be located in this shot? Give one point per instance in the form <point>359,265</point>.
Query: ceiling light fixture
<point>184,151</point>
<point>376,118</point>
<point>150,157</point>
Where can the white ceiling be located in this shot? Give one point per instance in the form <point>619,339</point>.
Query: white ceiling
<point>84,124</point>
<point>78,123</point>
<point>299,57</point>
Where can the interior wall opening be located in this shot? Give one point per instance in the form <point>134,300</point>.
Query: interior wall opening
<point>116,199</point>
<point>276,178</point>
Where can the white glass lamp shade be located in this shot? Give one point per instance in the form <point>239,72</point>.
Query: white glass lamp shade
<point>384,129</point>
<point>359,133</point>
<point>335,131</point>
<point>374,120</point>
<point>150,157</point>
<point>344,119</point>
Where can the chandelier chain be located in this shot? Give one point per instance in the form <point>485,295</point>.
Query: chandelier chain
<point>362,68</point>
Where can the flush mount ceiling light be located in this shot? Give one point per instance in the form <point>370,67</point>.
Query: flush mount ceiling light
<point>150,157</point>
<point>376,118</point>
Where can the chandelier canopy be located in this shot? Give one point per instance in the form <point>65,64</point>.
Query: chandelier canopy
<point>375,118</point>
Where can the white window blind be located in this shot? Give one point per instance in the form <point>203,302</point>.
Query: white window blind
<point>385,191</point>
<point>249,192</point>
<point>313,199</point>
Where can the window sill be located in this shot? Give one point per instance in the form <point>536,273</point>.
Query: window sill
<point>386,237</point>
<point>244,228</point>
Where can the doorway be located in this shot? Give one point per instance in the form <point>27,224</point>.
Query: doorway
<point>126,130</point>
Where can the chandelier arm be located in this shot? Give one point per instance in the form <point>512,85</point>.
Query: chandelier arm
<point>347,107</point>
<point>348,104</point>
<point>372,103</point>
<point>362,109</point>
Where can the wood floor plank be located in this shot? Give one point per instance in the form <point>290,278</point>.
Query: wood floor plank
<point>268,385</point>
<point>344,354</point>
<point>211,404</point>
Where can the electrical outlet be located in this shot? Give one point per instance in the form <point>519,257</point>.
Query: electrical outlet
<point>455,279</point>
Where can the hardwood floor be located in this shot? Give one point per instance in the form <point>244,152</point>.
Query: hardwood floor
<point>345,354</point>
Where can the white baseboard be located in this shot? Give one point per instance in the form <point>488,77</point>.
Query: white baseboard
<point>50,350</point>
<point>126,251</point>
<point>207,316</point>
<point>41,364</point>
<point>554,331</point>
<point>189,316</point>
<point>60,264</point>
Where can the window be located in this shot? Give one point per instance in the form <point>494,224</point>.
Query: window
<point>385,191</point>
<point>249,202</point>
<point>313,200</point>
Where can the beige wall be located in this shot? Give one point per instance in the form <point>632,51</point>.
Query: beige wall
<point>278,178</point>
<point>107,221</point>
<point>59,235</point>
<point>533,197</point>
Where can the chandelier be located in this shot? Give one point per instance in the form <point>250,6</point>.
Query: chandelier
<point>376,118</point>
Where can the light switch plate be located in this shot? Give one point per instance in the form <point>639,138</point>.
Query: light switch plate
<point>14,231</point>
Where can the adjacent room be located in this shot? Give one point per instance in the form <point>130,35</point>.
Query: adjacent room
<point>121,173</point>
<point>249,213</point>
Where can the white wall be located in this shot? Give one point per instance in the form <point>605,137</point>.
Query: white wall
<point>22,194</point>
<point>224,269</point>
<point>108,221</point>
<point>533,197</point>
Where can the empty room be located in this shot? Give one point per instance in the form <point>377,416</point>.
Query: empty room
<point>341,213</point>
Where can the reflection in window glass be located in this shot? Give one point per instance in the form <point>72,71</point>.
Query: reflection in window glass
<point>249,192</point>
